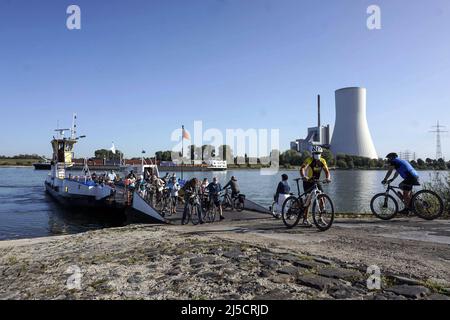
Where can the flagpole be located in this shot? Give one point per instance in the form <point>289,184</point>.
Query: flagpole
<point>182,150</point>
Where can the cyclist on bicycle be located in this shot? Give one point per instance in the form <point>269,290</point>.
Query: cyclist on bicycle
<point>204,184</point>
<point>213,190</point>
<point>191,189</point>
<point>309,171</point>
<point>233,185</point>
<point>159,185</point>
<point>410,178</point>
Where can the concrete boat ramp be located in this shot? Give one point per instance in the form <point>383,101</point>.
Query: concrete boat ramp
<point>251,211</point>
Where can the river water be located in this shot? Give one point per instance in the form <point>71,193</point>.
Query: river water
<point>26,211</point>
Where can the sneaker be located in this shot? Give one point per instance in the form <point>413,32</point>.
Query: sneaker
<point>306,223</point>
<point>221,218</point>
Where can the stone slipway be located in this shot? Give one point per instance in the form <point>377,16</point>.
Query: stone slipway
<point>252,259</point>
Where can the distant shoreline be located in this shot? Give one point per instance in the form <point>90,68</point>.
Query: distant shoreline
<point>253,168</point>
<point>14,166</point>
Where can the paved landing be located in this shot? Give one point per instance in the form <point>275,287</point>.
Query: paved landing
<point>245,215</point>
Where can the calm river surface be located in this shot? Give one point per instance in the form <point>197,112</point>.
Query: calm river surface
<point>26,211</point>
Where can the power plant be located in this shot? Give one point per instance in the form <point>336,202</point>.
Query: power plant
<point>351,135</point>
<point>319,135</point>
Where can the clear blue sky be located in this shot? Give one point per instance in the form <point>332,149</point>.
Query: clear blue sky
<point>137,70</point>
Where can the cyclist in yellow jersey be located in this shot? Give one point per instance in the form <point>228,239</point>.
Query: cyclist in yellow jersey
<point>310,171</point>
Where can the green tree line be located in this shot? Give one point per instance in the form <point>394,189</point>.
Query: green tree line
<point>292,158</point>
<point>22,156</point>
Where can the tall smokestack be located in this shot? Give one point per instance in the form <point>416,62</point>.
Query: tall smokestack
<point>318,110</point>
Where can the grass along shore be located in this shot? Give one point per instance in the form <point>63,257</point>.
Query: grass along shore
<point>10,162</point>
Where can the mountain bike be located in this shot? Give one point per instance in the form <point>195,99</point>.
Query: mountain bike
<point>322,207</point>
<point>150,194</point>
<point>233,203</point>
<point>426,204</point>
<point>194,210</point>
<point>164,203</point>
<point>212,210</point>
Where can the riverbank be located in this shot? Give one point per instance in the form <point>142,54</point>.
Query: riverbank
<point>258,259</point>
<point>11,162</point>
<point>297,168</point>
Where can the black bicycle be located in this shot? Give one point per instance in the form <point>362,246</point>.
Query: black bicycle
<point>164,203</point>
<point>194,210</point>
<point>212,209</point>
<point>322,207</point>
<point>426,204</point>
<point>233,203</point>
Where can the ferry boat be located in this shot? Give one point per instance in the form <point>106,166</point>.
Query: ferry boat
<point>211,165</point>
<point>45,164</point>
<point>82,191</point>
<point>217,165</point>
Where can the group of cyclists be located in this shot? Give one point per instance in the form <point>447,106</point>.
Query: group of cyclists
<point>311,170</point>
<point>166,193</point>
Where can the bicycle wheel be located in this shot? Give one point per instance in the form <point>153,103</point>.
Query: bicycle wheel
<point>227,204</point>
<point>168,206</point>
<point>238,205</point>
<point>205,205</point>
<point>196,211</point>
<point>204,213</point>
<point>323,212</point>
<point>427,204</point>
<point>188,217</point>
<point>384,206</point>
<point>292,212</point>
<point>159,204</point>
<point>212,213</point>
<point>274,212</point>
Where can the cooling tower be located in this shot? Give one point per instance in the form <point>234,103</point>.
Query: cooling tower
<point>351,133</point>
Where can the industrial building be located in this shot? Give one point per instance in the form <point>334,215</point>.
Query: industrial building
<point>351,133</point>
<point>319,135</point>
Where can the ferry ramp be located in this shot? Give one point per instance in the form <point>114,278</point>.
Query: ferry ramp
<point>251,211</point>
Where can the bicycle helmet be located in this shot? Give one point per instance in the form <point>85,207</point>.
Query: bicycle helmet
<point>392,155</point>
<point>316,149</point>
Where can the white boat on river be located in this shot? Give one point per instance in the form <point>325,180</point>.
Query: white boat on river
<point>82,191</point>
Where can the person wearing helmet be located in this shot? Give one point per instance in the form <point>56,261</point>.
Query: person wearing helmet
<point>410,177</point>
<point>311,170</point>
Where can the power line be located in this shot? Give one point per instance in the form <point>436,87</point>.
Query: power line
<point>438,131</point>
<point>407,155</point>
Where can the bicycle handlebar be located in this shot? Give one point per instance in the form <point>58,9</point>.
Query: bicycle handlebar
<point>325,181</point>
<point>312,180</point>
